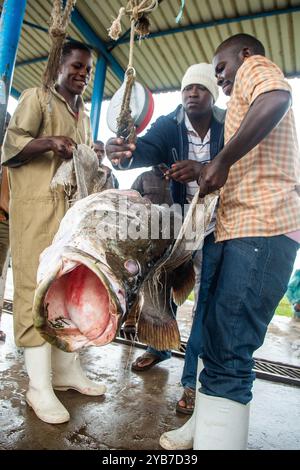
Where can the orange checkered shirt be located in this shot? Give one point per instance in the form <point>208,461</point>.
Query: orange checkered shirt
<point>262,194</point>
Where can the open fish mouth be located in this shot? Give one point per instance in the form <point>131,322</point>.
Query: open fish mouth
<point>101,263</point>
<point>79,304</point>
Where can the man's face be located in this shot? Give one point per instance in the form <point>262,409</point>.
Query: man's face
<point>75,71</point>
<point>226,64</point>
<point>99,150</point>
<point>196,100</point>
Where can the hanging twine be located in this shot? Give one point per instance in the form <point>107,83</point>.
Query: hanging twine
<point>137,10</point>
<point>60,17</point>
<point>140,25</point>
<point>115,30</point>
<point>125,122</point>
<point>179,16</point>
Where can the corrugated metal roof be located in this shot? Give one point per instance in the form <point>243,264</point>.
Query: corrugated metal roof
<point>161,59</point>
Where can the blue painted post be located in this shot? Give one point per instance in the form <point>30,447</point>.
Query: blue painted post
<point>10,29</point>
<point>97,96</point>
<point>15,93</point>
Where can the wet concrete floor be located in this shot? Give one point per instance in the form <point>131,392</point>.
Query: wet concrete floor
<point>136,410</point>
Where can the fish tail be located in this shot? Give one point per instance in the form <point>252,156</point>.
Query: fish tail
<point>161,336</point>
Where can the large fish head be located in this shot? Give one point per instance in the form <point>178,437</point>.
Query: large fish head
<point>90,277</point>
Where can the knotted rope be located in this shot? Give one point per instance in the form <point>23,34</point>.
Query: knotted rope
<point>59,21</point>
<point>137,10</point>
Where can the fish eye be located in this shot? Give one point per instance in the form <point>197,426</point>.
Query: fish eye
<point>132,266</point>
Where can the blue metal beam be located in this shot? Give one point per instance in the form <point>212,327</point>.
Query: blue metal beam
<point>15,93</point>
<point>32,25</point>
<point>32,61</point>
<point>97,96</point>
<point>209,24</point>
<point>36,26</point>
<point>45,30</point>
<point>292,74</point>
<point>125,37</point>
<point>96,42</point>
<point>10,29</point>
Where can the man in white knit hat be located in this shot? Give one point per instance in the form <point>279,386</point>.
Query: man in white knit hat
<point>183,140</point>
<point>201,74</point>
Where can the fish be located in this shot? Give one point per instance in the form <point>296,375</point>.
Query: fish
<point>115,251</point>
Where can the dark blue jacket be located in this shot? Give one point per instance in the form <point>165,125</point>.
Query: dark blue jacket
<point>167,141</point>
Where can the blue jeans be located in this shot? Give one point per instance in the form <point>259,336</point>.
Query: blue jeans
<point>210,259</point>
<point>247,282</point>
<point>163,355</point>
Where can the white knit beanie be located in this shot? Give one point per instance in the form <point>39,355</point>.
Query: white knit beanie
<point>201,74</point>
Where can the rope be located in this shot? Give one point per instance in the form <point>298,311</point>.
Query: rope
<point>131,44</point>
<point>139,24</point>
<point>137,11</point>
<point>59,21</point>
<point>179,16</point>
<point>125,122</point>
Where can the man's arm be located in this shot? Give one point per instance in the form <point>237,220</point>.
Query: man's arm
<point>265,113</point>
<point>22,141</point>
<point>60,145</point>
<point>150,150</point>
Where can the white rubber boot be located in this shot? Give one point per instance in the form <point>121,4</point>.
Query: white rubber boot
<point>40,395</point>
<point>221,424</point>
<point>67,373</point>
<point>183,437</point>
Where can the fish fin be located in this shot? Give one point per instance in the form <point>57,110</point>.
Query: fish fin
<point>157,325</point>
<point>161,336</point>
<point>183,283</point>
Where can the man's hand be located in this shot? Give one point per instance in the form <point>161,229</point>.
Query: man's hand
<point>213,176</point>
<point>184,171</point>
<point>63,147</point>
<point>117,151</point>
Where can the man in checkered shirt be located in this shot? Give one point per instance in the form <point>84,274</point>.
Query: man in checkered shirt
<point>256,241</point>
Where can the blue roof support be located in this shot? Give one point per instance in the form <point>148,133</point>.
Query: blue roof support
<point>97,43</point>
<point>36,26</point>
<point>29,23</point>
<point>45,30</point>
<point>34,60</point>
<point>15,93</point>
<point>97,96</point>
<point>10,29</point>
